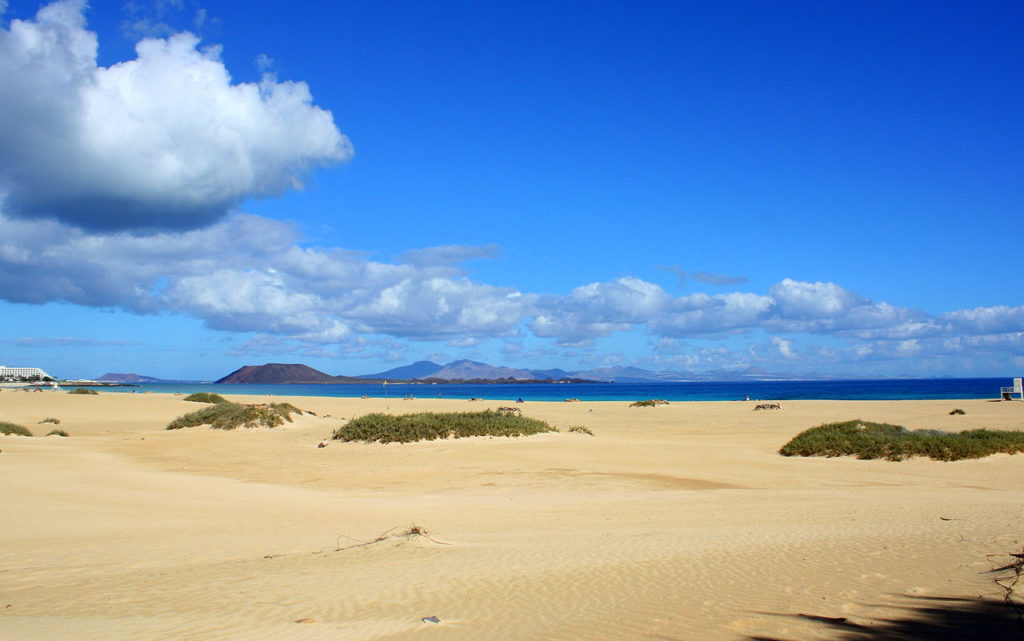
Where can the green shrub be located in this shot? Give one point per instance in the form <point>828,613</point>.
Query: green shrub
<point>229,416</point>
<point>11,428</point>
<point>867,440</point>
<point>428,426</point>
<point>205,397</point>
<point>654,402</point>
<point>82,390</point>
<point>957,412</point>
<point>580,430</point>
<point>57,433</point>
<point>48,419</point>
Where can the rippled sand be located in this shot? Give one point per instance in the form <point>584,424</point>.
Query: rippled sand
<point>675,522</point>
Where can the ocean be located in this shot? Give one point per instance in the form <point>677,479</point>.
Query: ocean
<point>888,389</point>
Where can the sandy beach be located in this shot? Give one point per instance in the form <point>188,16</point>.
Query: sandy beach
<point>674,522</point>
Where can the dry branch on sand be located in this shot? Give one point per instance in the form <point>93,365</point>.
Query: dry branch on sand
<point>392,533</point>
<point>409,532</point>
<point>1011,577</point>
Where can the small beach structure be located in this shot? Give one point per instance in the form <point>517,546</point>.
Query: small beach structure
<point>1008,393</point>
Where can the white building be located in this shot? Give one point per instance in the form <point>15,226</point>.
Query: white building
<point>15,373</point>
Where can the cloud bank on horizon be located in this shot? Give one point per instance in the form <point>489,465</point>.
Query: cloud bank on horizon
<point>250,274</point>
<point>120,187</point>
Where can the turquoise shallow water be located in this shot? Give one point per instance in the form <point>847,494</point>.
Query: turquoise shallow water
<point>704,391</point>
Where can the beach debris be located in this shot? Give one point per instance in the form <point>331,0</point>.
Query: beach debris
<point>411,531</point>
<point>305,620</point>
<point>1009,582</point>
<point>430,620</point>
<point>818,617</point>
<point>767,406</point>
<point>323,443</point>
<point>957,412</point>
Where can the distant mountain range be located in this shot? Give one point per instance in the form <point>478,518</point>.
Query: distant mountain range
<point>467,370</point>
<point>475,371</point>
<point>470,370</point>
<point>457,371</point>
<point>419,369</point>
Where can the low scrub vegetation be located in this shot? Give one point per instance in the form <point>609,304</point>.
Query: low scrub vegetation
<point>654,402</point>
<point>867,440</point>
<point>11,428</point>
<point>205,397</point>
<point>957,412</point>
<point>229,416</point>
<point>82,390</point>
<point>428,426</point>
<point>57,433</point>
<point>580,429</point>
<point>50,419</point>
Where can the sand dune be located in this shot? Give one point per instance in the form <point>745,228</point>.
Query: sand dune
<point>675,522</point>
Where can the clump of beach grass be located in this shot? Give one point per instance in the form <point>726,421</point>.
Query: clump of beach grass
<point>867,440</point>
<point>82,390</point>
<point>11,428</point>
<point>229,416</point>
<point>429,426</point>
<point>50,419</point>
<point>654,402</point>
<point>205,397</point>
<point>580,429</point>
<point>957,412</point>
<point>57,433</point>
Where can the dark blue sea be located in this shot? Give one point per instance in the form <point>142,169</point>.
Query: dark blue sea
<point>890,389</point>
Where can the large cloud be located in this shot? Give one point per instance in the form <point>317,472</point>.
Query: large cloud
<point>247,273</point>
<point>598,309</point>
<point>165,141</point>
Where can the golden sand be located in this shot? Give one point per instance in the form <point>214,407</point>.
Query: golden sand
<point>674,522</point>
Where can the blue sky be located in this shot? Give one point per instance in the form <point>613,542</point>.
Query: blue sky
<point>802,187</point>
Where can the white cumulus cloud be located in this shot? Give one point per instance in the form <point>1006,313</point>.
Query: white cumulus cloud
<point>164,141</point>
